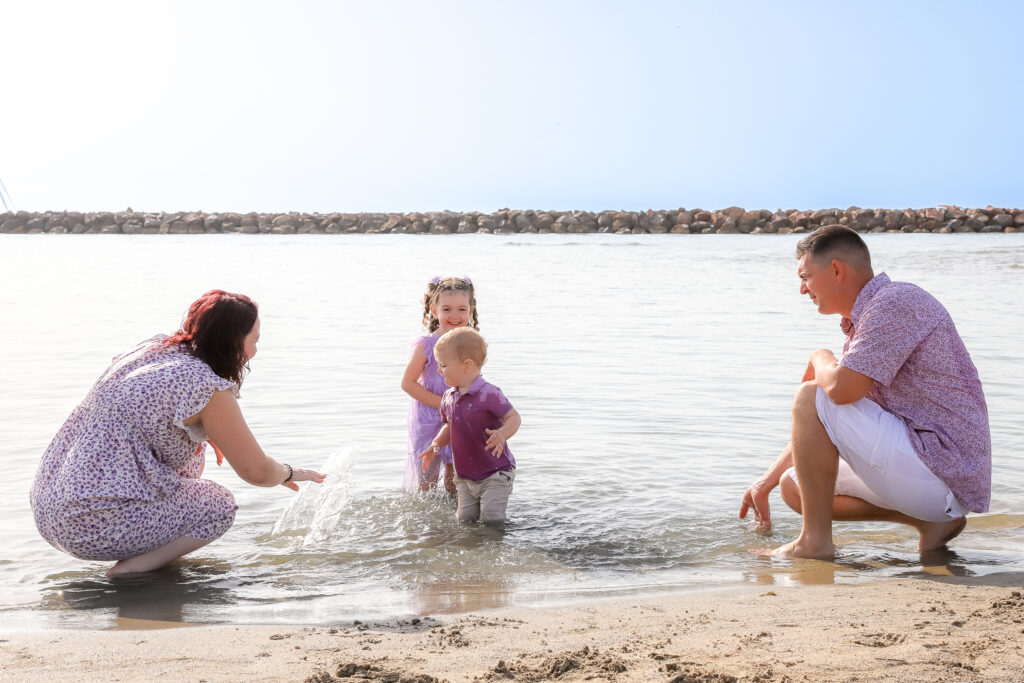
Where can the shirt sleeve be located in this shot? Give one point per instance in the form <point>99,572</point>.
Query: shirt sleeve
<point>446,407</point>
<point>497,403</point>
<point>887,333</point>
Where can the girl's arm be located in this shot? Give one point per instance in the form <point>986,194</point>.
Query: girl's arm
<point>222,419</point>
<point>412,373</point>
<point>496,438</point>
<point>443,438</point>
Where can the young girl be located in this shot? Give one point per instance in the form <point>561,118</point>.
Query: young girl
<point>448,303</point>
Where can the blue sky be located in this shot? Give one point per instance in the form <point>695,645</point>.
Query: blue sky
<point>474,106</point>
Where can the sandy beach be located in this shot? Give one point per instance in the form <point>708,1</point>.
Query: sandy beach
<point>900,630</point>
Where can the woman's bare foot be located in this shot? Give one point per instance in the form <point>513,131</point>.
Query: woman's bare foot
<point>119,569</point>
<point>798,549</point>
<point>935,535</point>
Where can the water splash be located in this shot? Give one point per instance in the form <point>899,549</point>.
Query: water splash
<point>317,509</point>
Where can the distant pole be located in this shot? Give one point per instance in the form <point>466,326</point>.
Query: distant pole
<point>5,197</point>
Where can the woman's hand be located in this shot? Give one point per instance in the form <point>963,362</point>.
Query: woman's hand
<point>304,475</point>
<point>427,456</point>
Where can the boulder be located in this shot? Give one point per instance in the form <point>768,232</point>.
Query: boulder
<point>733,212</point>
<point>132,226</point>
<point>657,223</point>
<point>727,227</point>
<point>1003,219</point>
<point>748,221</point>
<point>194,223</point>
<point>523,220</point>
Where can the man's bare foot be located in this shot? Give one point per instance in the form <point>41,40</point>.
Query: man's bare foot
<point>797,549</point>
<point>935,535</point>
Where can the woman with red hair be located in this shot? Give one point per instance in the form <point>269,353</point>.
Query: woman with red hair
<point>120,481</point>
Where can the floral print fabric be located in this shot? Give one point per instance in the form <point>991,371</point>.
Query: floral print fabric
<point>121,477</point>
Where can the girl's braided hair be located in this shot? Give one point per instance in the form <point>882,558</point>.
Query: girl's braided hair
<point>438,286</point>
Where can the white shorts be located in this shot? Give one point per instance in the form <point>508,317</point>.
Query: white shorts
<point>878,463</point>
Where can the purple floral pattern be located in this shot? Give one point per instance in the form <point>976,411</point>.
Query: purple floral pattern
<point>121,477</point>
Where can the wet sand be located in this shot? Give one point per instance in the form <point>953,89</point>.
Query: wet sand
<point>900,630</point>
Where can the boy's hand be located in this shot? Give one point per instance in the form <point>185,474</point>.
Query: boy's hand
<point>428,455</point>
<point>495,442</point>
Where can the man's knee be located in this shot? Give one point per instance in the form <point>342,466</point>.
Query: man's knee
<point>804,401</point>
<point>790,492</point>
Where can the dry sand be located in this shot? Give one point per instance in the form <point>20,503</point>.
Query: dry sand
<point>899,630</point>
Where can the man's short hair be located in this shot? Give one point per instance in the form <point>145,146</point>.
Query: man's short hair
<point>465,342</point>
<point>835,242</point>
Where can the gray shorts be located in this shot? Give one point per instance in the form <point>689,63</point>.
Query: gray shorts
<point>485,500</point>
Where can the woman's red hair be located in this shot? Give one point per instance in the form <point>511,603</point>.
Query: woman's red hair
<point>214,331</point>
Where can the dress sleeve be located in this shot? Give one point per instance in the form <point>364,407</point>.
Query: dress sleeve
<point>424,344</point>
<point>197,390</point>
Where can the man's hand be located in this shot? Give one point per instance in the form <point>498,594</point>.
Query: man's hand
<point>756,497</point>
<point>808,373</point>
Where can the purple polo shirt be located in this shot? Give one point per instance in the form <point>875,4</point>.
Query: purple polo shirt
<point>468,415</point>
<point>900,336</point>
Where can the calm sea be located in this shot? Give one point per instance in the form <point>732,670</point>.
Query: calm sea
<point>653,374</point>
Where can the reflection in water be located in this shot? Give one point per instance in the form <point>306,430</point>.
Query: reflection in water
<point>783,570</point>
<point>159,599</point>
<point>442,597</point>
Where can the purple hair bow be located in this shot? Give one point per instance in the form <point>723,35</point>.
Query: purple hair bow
<point>437,279</point>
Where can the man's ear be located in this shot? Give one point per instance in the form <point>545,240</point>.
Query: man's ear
<point>839,269</point>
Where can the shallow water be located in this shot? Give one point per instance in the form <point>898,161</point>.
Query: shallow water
<point>653,375</point>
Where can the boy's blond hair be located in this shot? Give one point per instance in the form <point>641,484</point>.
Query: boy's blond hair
<point>465,342</point>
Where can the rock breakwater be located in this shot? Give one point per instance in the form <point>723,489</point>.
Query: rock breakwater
<point>733,220</point>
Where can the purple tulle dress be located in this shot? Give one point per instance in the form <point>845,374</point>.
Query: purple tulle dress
<point>425,422</point>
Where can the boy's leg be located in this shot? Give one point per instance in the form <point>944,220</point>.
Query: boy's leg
<point>494,494</point>
<point>469,499</point>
